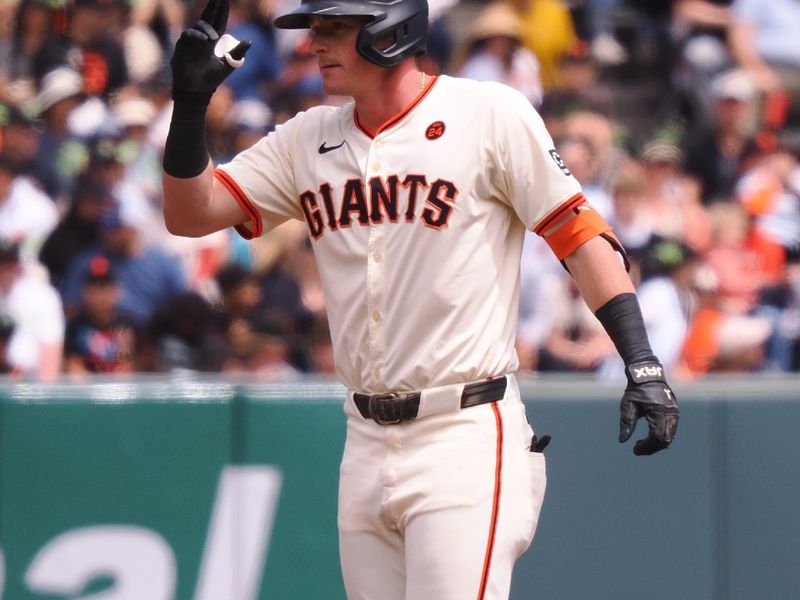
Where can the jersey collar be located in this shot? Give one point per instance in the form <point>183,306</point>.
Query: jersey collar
<point>398,117</point>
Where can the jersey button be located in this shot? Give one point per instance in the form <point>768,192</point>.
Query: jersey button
<point>376,316</point>
<point>376,373</point>
<point>376,167</point>
<point>376,257</point>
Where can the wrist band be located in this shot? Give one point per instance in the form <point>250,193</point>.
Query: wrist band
<point>185,151</point>
<point>622,319</point>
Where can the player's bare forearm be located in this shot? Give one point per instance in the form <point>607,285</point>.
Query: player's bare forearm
<point>186,201</point>
<point>197,206</point>
<point>598,272</point>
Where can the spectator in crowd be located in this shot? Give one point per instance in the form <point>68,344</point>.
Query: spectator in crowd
<point>239,295</point>
<point>282,263</point>
<point>133,116</point>
<point>576,341</point>
<point>251,120</point>
<point>60,156</point>
<point>713,151</point>
<point>142,29</point>
<point>99,338</point>
<point>769,189</point>
<point>763,39</point>
<point>718,341</point>
<point>601,133</point>
<point>595,23</point>
<point>19,137</point>
<point>34,25</point>
<point>88,47</point>
<point>186,335</point>
<point>239,292</point>
<point>673,200</point>
<point>36,344</point>
<point>580,86</point>
<point>26,213</point>
<point>164,18</point>
<point>579,155</point>
<point>631,220</point>
<point>549,32</point>
<point>751,273</point>
<point>78,230</point>
<point>496,53</point>
<point>270,358</point>
<point>700,29</point>
<point>744,260</point>
<point>147,275</point>
<point>248,21</point>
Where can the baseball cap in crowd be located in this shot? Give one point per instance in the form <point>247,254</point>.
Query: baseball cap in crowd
<point>734,84</point>
<point>495,20</point>
<point>231,276</point>
<point>251,115</point>
<point>99,272</point>
<point>664,255</point>
<point>133,112</point>
<point>661,152</point>
<point>57,85</point>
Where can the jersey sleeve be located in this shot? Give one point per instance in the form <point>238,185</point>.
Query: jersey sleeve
<point>261,179</point>
<point>528,172</point>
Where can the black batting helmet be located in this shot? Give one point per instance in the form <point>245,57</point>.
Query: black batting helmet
<point>405,22</point>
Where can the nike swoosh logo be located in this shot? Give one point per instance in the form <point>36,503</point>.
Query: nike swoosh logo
<point>323,148</point>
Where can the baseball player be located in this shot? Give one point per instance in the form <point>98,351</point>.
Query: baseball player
<point>416,196</point>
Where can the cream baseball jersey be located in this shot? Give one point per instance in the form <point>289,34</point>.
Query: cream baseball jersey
<point>417,228</point>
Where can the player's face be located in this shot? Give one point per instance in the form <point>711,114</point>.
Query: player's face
<point>333,40</point>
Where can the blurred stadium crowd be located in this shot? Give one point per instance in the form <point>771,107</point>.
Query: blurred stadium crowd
<point>680,118</point>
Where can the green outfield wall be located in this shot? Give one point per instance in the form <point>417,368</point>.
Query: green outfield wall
<point>184,489</point>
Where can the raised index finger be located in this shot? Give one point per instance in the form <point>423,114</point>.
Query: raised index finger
<point>216,14</point>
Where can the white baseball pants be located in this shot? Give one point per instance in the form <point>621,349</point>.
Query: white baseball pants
<point>441,507</point>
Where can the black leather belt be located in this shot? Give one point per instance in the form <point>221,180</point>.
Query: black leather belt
<point>391,408</point>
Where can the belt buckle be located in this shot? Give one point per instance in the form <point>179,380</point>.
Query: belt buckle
<point>387,408</point>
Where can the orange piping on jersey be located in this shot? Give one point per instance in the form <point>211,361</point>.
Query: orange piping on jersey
<point>575,231</point>
<point>559,212</point>
<point>401,115</point>
<point>498,469</point>
<point>247,206</point>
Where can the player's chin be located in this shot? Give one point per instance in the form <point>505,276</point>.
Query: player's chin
<point>333,83</point>
<point>335,89</point>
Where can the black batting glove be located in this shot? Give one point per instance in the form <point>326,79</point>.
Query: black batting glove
<point>197,71</point>
<point>648,395</point>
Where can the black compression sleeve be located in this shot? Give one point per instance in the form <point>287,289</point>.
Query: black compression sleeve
<point>185,151</point>
<point>622,319</point>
